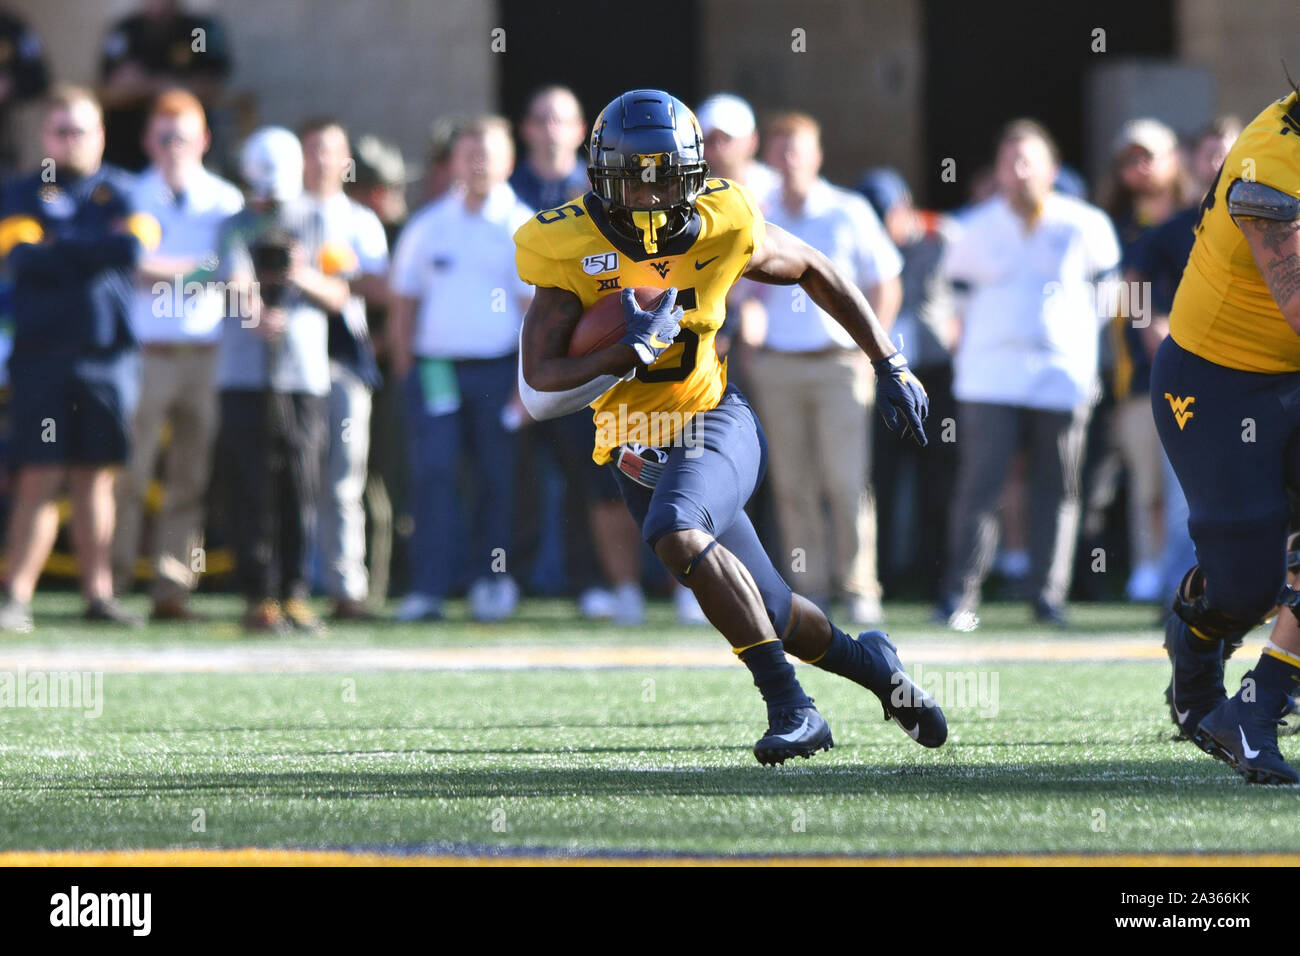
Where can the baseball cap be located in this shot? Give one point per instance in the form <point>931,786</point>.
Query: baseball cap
<point>1151,134</point>
<point>271,164</point>
<point>379,163</point>
<point>727,113</point>
<point>884,188</point>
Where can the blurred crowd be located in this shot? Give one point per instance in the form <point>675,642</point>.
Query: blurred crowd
<point>295,367</point>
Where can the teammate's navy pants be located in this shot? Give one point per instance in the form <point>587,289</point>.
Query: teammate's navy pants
<point>1235,454</point>
<point>705,484</point>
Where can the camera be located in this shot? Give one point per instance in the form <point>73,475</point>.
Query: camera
<point>270,253</point>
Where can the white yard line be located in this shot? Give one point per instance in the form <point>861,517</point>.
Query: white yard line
<point>324,658</point>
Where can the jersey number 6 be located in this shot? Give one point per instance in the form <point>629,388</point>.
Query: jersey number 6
<point>690,344</point>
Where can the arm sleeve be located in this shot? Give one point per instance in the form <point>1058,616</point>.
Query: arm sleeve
<point>544,405</point>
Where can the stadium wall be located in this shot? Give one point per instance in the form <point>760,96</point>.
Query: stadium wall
<point>858,66</point>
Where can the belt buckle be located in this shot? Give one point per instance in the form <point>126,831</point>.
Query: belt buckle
<point>644,464</point>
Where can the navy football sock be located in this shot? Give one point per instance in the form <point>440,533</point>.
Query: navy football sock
<point>773,676</point>
<point>1275,680</point>
<point>1195,642</point>
<point>849,658</point>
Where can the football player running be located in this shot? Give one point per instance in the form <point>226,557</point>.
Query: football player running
<point>1225,389</point>
<point>653,218</point>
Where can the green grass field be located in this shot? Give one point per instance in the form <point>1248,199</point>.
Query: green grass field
<point>552,734</point>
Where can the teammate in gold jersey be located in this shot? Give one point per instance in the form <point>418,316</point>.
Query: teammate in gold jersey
<point>1225,390</point>
<point>686,447</point>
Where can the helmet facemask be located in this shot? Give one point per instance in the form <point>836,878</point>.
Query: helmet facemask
<point>649,204</point>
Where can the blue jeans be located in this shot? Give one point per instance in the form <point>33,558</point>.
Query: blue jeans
<point>439,554</point>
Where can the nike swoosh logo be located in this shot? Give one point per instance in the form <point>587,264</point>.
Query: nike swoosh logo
<point>914,732</point>
<point>1173,692</point>
<point>700,265</point>
<point>795,735</point>
<point>1245,747</point>
<point>656,344</point>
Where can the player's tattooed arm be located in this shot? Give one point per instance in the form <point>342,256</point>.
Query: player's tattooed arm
<point>544,346</point>
<point>783,259</point>
<point>1276,247</point>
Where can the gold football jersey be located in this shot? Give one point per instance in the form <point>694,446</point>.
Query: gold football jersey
<point>1223,310</point>
<point>574,247</point>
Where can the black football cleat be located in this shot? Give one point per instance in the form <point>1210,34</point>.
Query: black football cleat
<point>1243,734</point>
<point>1196,687</point>
<point>793,732</point>
<point>905,702</point>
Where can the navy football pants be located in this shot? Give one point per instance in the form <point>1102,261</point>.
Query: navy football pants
<point>1235,454</point>
<point>705,484</point>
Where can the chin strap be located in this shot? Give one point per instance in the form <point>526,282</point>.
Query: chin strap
<point>650,223</point>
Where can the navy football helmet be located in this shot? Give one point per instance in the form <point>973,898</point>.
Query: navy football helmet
<point>647,164</point>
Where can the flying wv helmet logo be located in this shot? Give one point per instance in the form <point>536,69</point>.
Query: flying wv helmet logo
<point>1181,408</point>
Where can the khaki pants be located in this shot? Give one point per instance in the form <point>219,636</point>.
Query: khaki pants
<point>1139,448</point>
<point>178,389</point>
<point>817,412</point>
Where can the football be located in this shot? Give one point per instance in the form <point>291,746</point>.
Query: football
<point>604,323</point>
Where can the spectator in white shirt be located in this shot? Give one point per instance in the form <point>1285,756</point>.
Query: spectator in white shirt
<point>731,145</point>
<point>177,318</point>
<point>354,374</point>
<point>1026,266</point>
<point>814,385</point>
<point>458,304</point>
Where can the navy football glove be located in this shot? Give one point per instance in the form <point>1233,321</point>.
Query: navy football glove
<point>901,398</point>
<point>649,333</point>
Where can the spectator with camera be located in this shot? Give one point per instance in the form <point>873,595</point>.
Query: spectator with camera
<point>274,378</point>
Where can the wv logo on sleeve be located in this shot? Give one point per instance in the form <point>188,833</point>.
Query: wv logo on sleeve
<point>1181,408</point>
